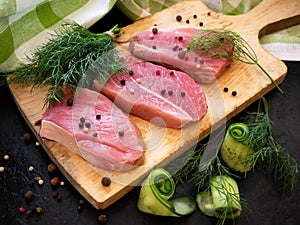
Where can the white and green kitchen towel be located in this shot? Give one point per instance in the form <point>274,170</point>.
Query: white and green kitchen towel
<point>26,25</point>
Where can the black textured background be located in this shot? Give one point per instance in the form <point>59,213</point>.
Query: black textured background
<point>267,204</point>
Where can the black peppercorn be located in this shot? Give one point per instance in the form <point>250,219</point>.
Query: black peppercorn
<point>201,24</point>
<point>180,38</point>
<point>105,181</point>
<point>170,93</point>
<point>178,18</point>
<point>153,47</point>
<point>162,92</point>
<point>195,16</point>
<point>123,82</point>
<point>82,120</point>
<point>187,21</point>
<point>182,94</point>
<point>121,133</point>
<point>154,30</point>
<point>225,89</point>
<point>233,93</point>
<point>98,116</point>
<point>69,102</point>
<point>87,125</point>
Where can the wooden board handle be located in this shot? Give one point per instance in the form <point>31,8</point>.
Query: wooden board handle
<point>269,16</point>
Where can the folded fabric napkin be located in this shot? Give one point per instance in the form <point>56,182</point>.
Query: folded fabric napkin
<point>26,25</point>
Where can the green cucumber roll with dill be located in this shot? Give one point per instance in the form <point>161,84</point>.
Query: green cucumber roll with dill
<point>156,192</point>
<point>221,199</point>
<point>235,150</point>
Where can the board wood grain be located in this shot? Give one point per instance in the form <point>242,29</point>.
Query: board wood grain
<point>164,145</point>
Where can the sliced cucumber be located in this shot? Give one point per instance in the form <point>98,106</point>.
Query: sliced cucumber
<point>205,203</point>
<point>184,205</point>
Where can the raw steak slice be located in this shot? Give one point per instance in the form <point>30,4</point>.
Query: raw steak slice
<point>169,48</point>
<point>162,96</point>
<point>96,129</point>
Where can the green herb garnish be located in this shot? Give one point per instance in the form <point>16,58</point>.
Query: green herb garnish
<point>219,44</point>
<point>268,154</point>
<point>71,57</point>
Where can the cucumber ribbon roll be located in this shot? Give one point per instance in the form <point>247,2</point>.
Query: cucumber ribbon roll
<point>235,150</point>
<point>155,194</point>
<point>222,199</point>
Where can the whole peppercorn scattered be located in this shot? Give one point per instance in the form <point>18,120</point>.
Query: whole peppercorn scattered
<point>122,82</point>
<point>6,157</point>
<point>54,181</point>
<point>208,13</point>
<point>182,94</point>
<point>87,124</point>
<point>105,181</point>
<point>178,18</point>
<point>154,30</point>
<point>121,133</point>
<point>27,137</point>
<point>170,93</point>
<point>39,209</point>
<point>81,202</point>
<point>22,210</point>
<point>82,120</point>
<point>30,168</point>
<point>233,93</point>
<point>28,195</point>
<point>201,24</point>
<point>187,21</point>
<point>40,182</point>
<point>162,92</point>
<point>102,218</point>
<point>37,144</point>
<point>195,16</point>
<point>180,38</point>
<point>154,47</point>
<point>70,102</point>
<point>225,89</point>
<point>51,168</point>
<point>98,117</point>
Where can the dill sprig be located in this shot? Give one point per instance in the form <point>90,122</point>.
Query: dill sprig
<point>219,44</point>
<point>269,154</point>
<point>201,171</point>
<point>65,59</point>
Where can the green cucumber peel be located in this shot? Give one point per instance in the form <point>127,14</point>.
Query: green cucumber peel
<point>235,150</point>
<point>155,194</point>
<point>221,199</point>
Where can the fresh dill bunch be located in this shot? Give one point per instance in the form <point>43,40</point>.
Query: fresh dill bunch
<point>227,45</point>
<point>269,154</point>
<point>65,59</point>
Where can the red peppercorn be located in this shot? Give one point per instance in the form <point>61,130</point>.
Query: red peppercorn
<point>22,210</point>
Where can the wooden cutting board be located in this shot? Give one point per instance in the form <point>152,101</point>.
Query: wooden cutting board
<point>163,145</point>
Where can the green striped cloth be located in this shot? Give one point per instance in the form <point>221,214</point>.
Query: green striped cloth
<point>27,24</point>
